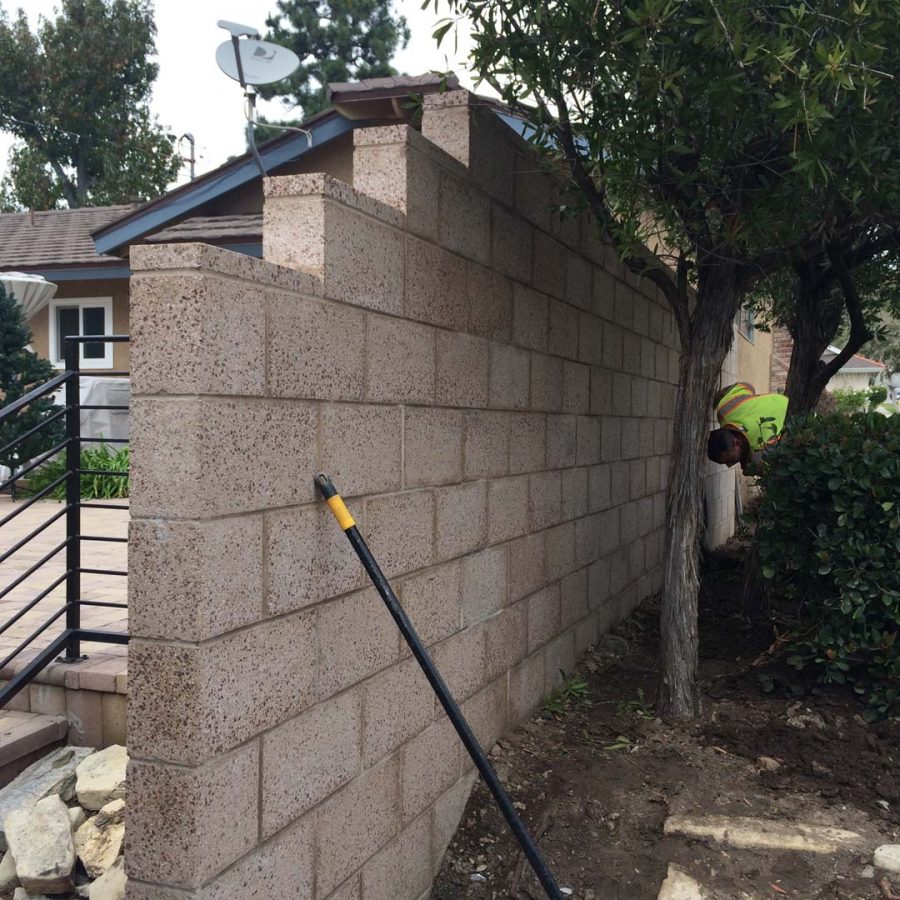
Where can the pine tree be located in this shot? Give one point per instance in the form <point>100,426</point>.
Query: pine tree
<point>21,371</point>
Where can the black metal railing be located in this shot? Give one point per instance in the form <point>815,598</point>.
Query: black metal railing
<point>68,641</point>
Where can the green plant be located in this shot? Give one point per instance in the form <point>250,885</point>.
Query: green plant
<point>849,401</point>
<point>877,394</point>
<point>93,487</point>
<point>640,707</point>
<point>829,537</point>
<point>574,691</point>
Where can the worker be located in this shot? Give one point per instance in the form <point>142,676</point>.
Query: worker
<point>751,424</point>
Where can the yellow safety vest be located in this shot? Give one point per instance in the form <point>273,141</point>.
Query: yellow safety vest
<point>759,417</point>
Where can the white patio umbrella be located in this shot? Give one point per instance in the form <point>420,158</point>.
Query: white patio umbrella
<point>32,291</point>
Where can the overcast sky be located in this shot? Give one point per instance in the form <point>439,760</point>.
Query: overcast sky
<point>192,95</point>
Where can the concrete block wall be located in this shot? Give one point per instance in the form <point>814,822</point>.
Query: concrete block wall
<point>491,393</point>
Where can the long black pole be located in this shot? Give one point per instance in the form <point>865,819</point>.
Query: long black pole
<point>345,520</point>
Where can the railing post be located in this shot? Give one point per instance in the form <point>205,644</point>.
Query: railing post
<point>73,500</point>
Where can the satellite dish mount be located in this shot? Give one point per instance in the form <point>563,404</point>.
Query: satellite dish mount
<point>253,61</point>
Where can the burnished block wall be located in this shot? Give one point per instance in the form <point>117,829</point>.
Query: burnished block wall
<point>491,394</point>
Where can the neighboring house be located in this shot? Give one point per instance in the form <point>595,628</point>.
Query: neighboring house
<point>857,374</point>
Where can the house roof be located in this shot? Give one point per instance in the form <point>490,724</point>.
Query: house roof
<point>246,227</point>
<point>856,363</point>
<point>56,237</point>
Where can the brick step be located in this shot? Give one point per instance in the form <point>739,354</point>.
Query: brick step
<point>25,737</point>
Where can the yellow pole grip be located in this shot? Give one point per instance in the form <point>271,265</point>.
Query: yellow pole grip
<point>341,513</point>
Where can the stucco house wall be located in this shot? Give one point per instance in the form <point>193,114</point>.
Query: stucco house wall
<point>491,392</point>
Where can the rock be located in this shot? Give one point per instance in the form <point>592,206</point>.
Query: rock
<point>8,877</point>
<point>887,856</point>
<point>768,763</point>
<point>22,894</point>
<point>101,777</point>
<point>111,885</point>
<point>40,840</point>
<point>53,774</point>
<point>76,817</point>
<point>99,841</point>
<point>868,872</point>
<point>680,886</point>
<point>797,717</point>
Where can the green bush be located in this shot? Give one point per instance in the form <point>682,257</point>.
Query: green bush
<point>93,487</point>
<point>829,536</point>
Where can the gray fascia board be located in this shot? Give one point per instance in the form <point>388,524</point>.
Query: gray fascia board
<point>180,207</point>
<point>81,273</point>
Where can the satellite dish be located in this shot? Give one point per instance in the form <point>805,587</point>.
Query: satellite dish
<point>261,62</point>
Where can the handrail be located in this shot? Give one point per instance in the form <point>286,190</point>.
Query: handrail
<point>38,392</point>
<point>32,431</point>
<point>37,461</point>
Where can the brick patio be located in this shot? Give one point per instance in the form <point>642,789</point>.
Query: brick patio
<point>105,668</point>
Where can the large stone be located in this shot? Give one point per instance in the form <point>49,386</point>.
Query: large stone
<point>76,817</point>
<point>887,856</point>
<point>680,886</point>
<point>101,777</point>
<point>99,840</point>
<point>53,774</point>
<point>110,885</point>
<point>22,894</point>
<point>9,878</point>
<point>40,840</point>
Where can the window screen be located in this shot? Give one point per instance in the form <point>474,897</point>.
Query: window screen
<point>67,323</point>
<point>93,322</point>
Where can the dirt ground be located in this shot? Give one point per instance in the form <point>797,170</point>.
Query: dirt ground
<point>595,783</point>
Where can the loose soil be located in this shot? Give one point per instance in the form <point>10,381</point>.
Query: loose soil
<point>596,783</point>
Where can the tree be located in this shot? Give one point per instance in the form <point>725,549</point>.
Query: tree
<point>20,372</point>
<point>336,40</point>
<point>75,93</point>
<point>708,126</point>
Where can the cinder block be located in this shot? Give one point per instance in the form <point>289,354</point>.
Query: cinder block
<point>357,637</point>
<point>543,616</point>
<point>351,889</point>
<point>654,399</point>
<point>361,447</point>
<point>590,339</point>
<point>527,442</point>
<point>400,530</point>
<point>601,392</point>
<point>189,702</point>
<point>637,478</point>
<point>561,441</point>
<point>403,868</point>
<point>447,812</point>
<point>603,292</point>
<point>432,599</point>
<point>610,534</point>
<point>563,335</point>
<point>432,446</point>
<point>573,594</point>
<point>578,281</point>
<point>400,361</point>
<point>618,573</point>
<point>574,493</point>
<point>462,370</point>
<point>194,579</point>
<point>301,361</point>
<point>397,703</point>
<point>648,358</point>
<point>599,487</point>
<point>307,558</point>
<point>612,347</point>
<point>327,739</point>
<point>621,394</point>
<point>511,244</point>
<point>636,560</point>
<point>197,333</point>
<point>490,303</point>
<point>598,585</point>
<point>186,832</point>
<point>115,719</point>
<point>461,519</point>
<point>546,382</point>
<point>84,712</point>
<point>460,660</point>
<point>507,508</point>
<point>576,387</point>
<point>526,572</point>
<point>533,192</point>
<point>484,589</point>
<point>631,437</point>
<point>587,540</point>
<point>488,712</point>
<point>354,823</point>
<point>631,352</point>
<point>431,764</point>
<point>560,550</point>
<point>486,452</point>
<point>510,377</point>
<point>549,265</point>
<point>639,390</point>
<point>586,633</point>
<point>559,660</point>
<point>610,439</point>
<point>544,499</point>
<point>185,453</point>
<point>587,446</point>
<point>465,220</point>
<point>506,639</point>
<point>662,363</point>
<point>435,285</point>
<point>620,473</point>
<point>526,687</point>
<point>624,296</point>
<point>531,318</point>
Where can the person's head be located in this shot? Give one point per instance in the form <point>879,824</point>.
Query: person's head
<point>725,446</point>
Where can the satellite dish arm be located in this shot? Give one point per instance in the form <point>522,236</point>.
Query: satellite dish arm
<point>237,59</point>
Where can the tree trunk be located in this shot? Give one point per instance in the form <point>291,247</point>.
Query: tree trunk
<point>703,352</point>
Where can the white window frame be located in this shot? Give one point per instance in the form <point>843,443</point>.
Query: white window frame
<point>81,302</point>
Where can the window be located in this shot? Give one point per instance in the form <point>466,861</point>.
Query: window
<point>84,316</point>
<point>745,320</point>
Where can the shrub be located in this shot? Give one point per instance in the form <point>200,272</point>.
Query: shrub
<point>93,487</point>
<point>829,535</point>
